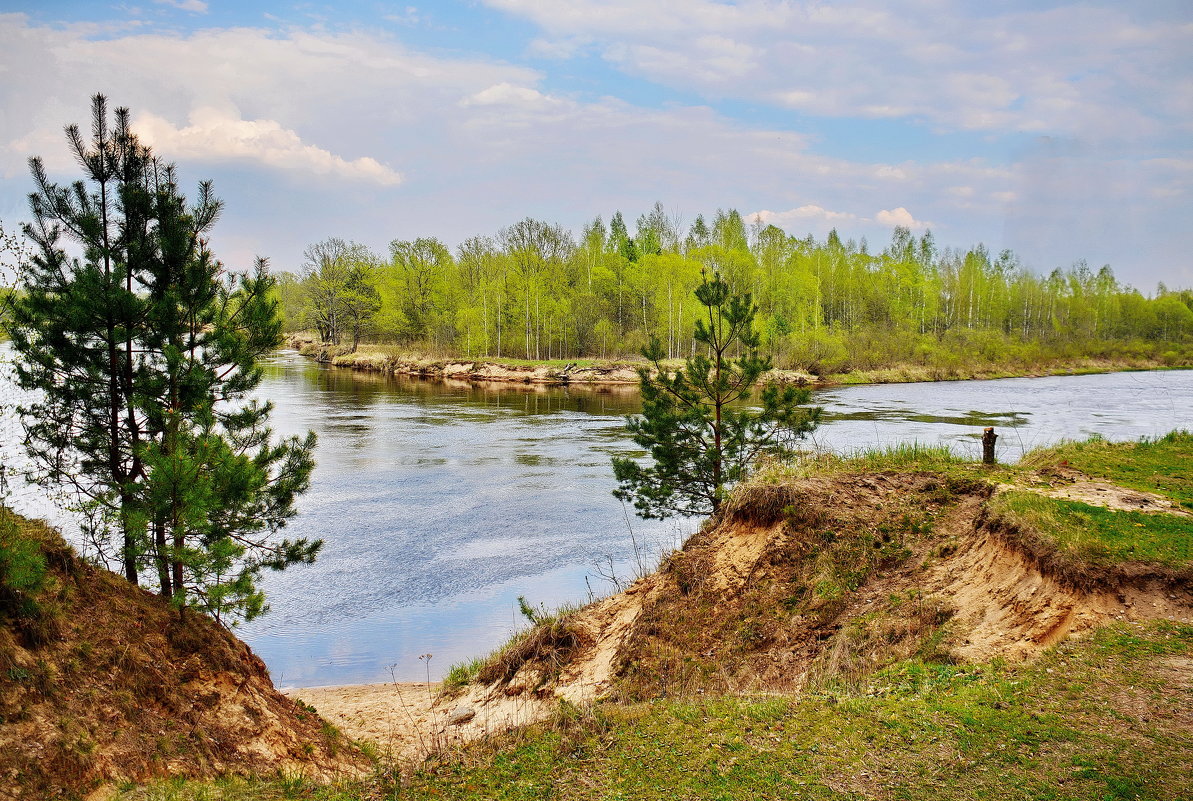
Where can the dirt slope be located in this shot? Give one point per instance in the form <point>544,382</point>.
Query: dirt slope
<point>109,684</point>
<point>816,581</point>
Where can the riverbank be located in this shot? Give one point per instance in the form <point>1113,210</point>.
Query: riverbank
<point>906,625</point>
<point>388,360</point>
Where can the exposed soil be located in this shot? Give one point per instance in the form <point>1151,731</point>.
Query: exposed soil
<point>1076,487</point>
<point>400,718</point>
<point>625,373</point>
<point>803,585</point>
<point>109,684</point>
<point>469,370</point>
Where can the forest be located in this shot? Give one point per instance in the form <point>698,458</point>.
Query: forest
<point>534,291</point>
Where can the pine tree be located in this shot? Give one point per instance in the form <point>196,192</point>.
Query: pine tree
<point>145,353</point>
<point>700,442</point>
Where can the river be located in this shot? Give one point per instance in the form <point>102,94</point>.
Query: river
<point>441,503</point>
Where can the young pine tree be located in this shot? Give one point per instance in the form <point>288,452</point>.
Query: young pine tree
<point>145,354</point>
<point>700,442</point>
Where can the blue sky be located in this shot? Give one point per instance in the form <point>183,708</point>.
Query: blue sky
<point>1063,131</point>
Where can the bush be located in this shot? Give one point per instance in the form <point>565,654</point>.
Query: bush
<point>22,569</point>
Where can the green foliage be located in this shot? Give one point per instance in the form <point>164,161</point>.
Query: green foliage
<point>14,256</point>
<point>22,568</point>
<point>1100,535</point>
<point>144,352</point>
<point>532,615</point>
<point>341,291</point>
<point>700,442</point>
<point>826,307</point>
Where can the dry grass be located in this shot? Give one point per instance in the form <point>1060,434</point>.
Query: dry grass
<point>127,687</point>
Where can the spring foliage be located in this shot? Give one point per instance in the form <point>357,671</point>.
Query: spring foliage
<point>144,353</point>
<point>536,291</point>
<point>700,442</point>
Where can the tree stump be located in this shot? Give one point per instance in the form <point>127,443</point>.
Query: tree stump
<point>988,439</point>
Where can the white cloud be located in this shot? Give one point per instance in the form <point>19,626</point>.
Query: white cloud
<point>805,215</point>
<point>507,94</point>
<point>556,48</point>
<point>217,135</point>
<point>900,216</point>
<point>481,142</point>
<point>194,6</point>
<point>1104,71</point>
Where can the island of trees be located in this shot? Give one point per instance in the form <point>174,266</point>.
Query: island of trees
<point>535,291</point>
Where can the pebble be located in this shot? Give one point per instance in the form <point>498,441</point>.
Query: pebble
<point>460,716</point>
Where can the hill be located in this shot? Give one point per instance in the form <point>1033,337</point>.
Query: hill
<point>897,626</point>
<point>101,681</point>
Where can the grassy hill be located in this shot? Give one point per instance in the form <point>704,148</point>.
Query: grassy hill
<point>901,625</point>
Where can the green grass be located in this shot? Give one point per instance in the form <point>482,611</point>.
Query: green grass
<point>462,673</point>
<point>1103,536</point>
<point>1087,721</point>
<point>240,788</point>
<point>1162,465</point>
<point>1094,719</point>
<point>901,457</point>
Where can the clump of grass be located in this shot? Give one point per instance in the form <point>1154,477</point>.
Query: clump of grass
<point>462,674</point>
<point>905,455</point>
<point>1099,535</point>
<point>548,644</point>
<point>899,457</point>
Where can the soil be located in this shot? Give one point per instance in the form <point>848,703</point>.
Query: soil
<point>109,684</point>
<point>399,718</point>
<point>1101,493</point>
<point>612,374</point>
<point>751,604</point>
<point>470,371</point>
<point>603,377</point>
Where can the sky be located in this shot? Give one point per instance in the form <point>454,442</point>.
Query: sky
<point>1063,131</point>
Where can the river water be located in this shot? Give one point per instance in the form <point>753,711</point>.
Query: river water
<point>441,503</point>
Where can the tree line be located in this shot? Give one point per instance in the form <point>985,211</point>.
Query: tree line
<point>536,291</point>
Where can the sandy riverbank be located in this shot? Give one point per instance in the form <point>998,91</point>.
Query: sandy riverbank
<point>399,718</point>
<point>604,376</point>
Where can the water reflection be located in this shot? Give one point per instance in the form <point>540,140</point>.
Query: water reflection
<point>441,502</point>
<point>435,496</point>
<point>444,501</point>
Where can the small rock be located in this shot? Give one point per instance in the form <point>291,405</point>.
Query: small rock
<point>460,716</point>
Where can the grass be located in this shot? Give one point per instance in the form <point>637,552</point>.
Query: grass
<point>548,644</point>
<point>1103,536</point>
<point>1088,721</point>
<point>1105,717</point>
<point>903,373</point>
<point>463,673</point>
<point>242,788</point>
<point>900,457</point>
<point>1095,719</point>
<point>1163,465</point>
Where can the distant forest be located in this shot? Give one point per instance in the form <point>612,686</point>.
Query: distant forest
<point>534,292</point>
